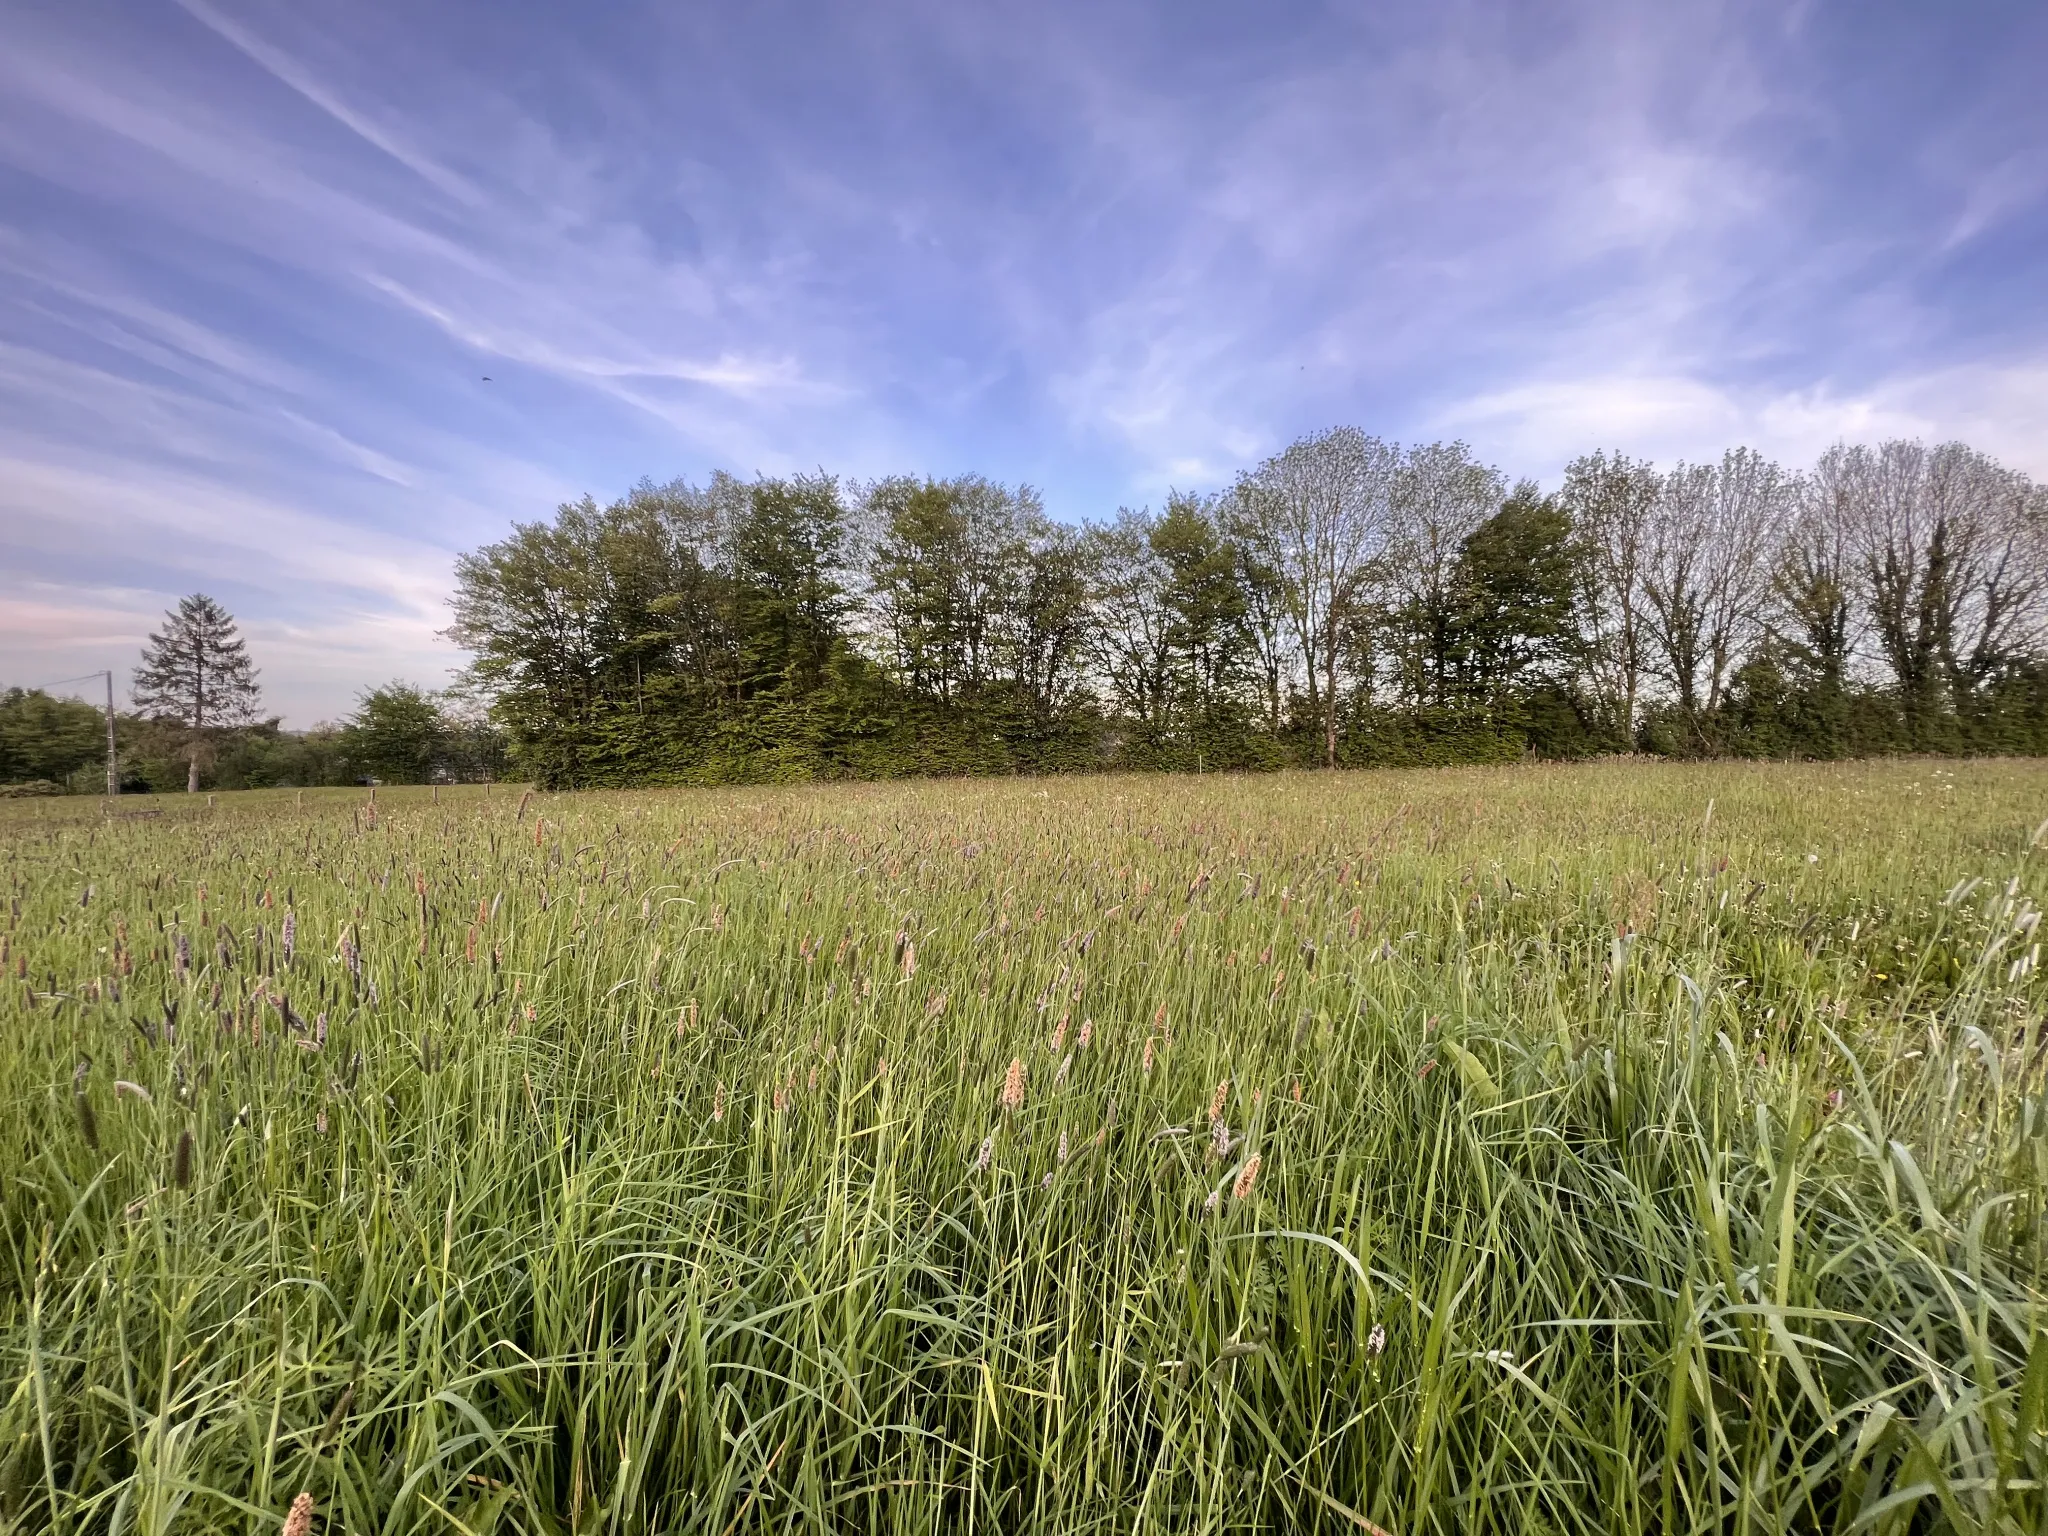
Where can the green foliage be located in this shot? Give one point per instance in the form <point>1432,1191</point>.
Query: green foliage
<point>1605,1149</point>
<point>402,734</point>
<point>807,628</point>
<point>48,738</point>
<point>397,734</point>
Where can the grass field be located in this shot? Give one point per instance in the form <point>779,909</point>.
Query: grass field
<point>1612,1148</point>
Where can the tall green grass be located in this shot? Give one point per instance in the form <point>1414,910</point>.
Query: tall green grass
<point>1636,1150</point>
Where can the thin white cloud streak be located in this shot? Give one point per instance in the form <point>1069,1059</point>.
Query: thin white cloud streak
<point>1540,425</point>
<point>1547,230</point>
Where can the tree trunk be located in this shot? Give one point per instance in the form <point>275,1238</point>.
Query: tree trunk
<point>1330,705</point>
<point>192,774</point>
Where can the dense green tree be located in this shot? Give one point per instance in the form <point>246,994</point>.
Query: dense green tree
<point>398,734</point>
<point>790,596</point>
<point>1514,591</point>
<point>47,738</point>
<point>1205,607</point>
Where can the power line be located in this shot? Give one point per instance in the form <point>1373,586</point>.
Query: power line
<point>87,677</point>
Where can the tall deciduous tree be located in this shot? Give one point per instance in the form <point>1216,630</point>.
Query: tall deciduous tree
<point>1133,619</point>
<point>398,733</point>
<point>1949,548</point>
<point>1706,566</point>
<point>1320,514</point>
<point>1441,497</point>
<point>196,671</point>
<point>1611,500</point>
<point>1514,594</point>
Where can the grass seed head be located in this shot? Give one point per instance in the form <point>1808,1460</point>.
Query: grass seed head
<point>1246,1179</point>
<point>1013,1084</point>
<point>300,1521</point>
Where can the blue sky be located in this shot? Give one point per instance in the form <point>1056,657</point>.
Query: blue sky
<point>256,261</point>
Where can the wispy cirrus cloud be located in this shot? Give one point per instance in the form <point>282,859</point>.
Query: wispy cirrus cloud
<point>257,262</point>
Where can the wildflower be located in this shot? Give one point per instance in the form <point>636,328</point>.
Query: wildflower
<point>300,1521</point>
<point>1242,1190</point>
<point>1013,1084</point>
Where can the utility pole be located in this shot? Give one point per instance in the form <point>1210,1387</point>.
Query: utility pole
<point>113,766</point>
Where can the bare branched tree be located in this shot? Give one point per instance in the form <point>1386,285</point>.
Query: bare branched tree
<point>1321,515</point>
<point>1813,582</point>
<point>1706,568</point>
<point>1133,628</point>
<point>1611,500</point>
<point>1948,549</point>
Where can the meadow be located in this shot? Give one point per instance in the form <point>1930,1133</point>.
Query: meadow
<point>1609,1148</point>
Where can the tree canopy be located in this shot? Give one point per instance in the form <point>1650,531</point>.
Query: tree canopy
<point>1348,600</point>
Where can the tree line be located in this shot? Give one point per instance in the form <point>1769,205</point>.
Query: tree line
<point>1347,602</point>
<point>197,719</point>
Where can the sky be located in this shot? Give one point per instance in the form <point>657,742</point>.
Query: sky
<point>298,302</point>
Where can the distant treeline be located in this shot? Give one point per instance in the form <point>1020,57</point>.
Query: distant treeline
<point>398,734</point>
<point>1348,602</point>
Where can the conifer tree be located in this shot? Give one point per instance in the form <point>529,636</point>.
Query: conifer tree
<point>196,671</point>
